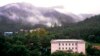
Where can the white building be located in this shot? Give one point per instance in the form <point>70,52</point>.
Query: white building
<point>8,33</point>
<point>68,44</point>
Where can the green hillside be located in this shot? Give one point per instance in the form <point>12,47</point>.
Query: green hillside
<point>88,30</point>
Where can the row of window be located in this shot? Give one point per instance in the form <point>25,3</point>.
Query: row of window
<point>67,44</point>
<point>67,48</point>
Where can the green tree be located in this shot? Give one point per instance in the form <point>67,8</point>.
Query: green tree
<point>91,51</point>
<point>65,53</point>
<point>18,50</point>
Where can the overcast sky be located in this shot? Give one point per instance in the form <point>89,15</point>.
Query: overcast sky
<point>74,6</point>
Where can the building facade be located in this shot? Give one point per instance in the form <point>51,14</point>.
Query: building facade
<point>68,44</point>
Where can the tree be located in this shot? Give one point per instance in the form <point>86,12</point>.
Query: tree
<point>2,45</point>
<point>59,53</point>
<point>18,50</point>
<point>65,53</point>
<point>91,51</point>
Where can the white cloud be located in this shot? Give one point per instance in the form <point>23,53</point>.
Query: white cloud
<point>75,6</point>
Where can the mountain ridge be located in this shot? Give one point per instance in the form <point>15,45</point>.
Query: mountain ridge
<point>17,15</point>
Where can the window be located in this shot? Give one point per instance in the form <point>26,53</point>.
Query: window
<point>72,48</point>
<point>69,48</point>
<point>66,44</point>
<point>59,48</point>
<point>75,43</point>
<point>66,48</point>
<point>59,44</point>
<point>76,48</point>
<point>62,48</point>
<point>72,44</point>
<point>63,44</point>
<point>69,44</point>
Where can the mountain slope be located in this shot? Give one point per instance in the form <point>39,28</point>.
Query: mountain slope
<point>23,15</point>
<point>89,30</point>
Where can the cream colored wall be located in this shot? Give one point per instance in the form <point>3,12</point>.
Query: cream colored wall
<point>54,47</point>
<point>81,47</point>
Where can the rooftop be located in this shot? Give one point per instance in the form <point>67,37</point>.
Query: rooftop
<point>61,40</point>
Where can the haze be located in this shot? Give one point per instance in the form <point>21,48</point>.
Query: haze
<point>73,6</point>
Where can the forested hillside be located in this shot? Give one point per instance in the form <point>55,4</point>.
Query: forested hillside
<point>88,29</point>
